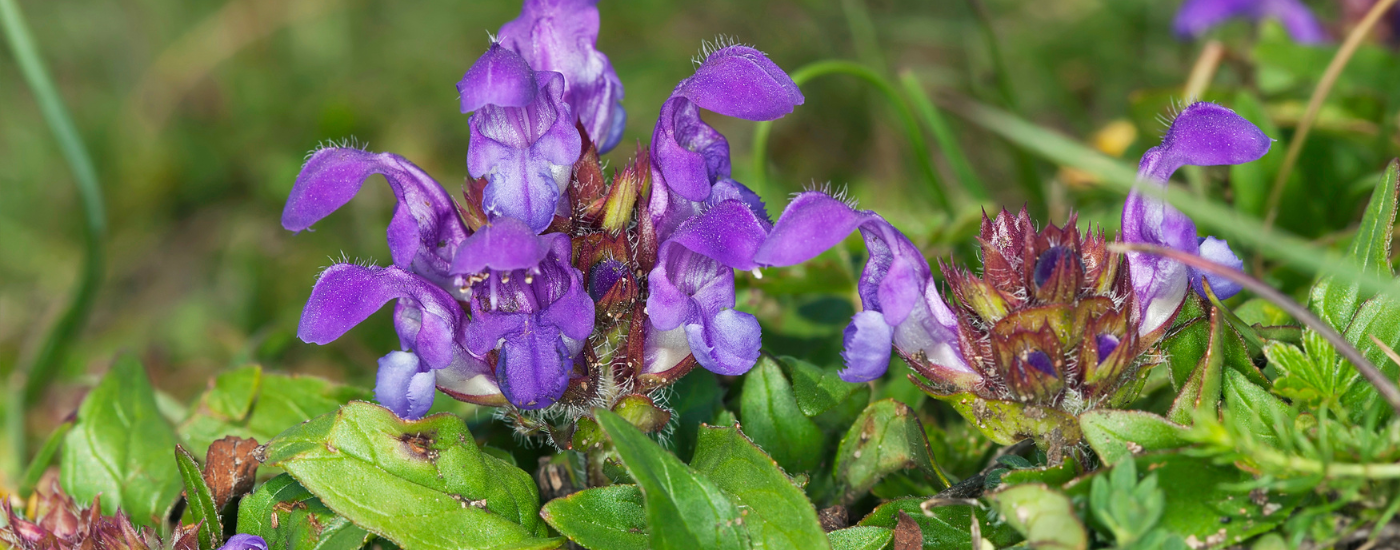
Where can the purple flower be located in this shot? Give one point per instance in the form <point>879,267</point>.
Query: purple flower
<point>529,304</point>
<point>523,138</point>
<point>901,305</point>
<point>1204,134</point>
<point>561,36</point>
<point>708,224</point>
<point>244,542</point>
<point>736,81</point>
<point>425,230</point>
<point>692,290</point>
<point>1197,16</point>
<point>427,319</point>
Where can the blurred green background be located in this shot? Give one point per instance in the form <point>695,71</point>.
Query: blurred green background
<point>199,113</point>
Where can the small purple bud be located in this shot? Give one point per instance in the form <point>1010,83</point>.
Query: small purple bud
<point>1046,264</point>
<point>603,276</point>
<point>1107,343</point>
<point>244,542</point>
<point>1041,362</point>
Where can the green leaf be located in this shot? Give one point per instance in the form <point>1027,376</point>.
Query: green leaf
<point>289,517</point>
<point>1258,311</point>
<point>1007,422</point>
<point>1201,393</point>
<point>1337,302</point>
<point>1254,408</point>
<point>1299,378</point>
<point>687,508</point>
<point>1128,508</point>
<point>697,398</point>
<point>817,389</point>
<point>1184,348</point>
<point>886,438</point>
<point>1055,475</point>
<point>947,527</point>
<point>860,538</point>
<point>1379,317</point>
<point>199,501</point>
<point>120,448</point>
<point>604,518</point>
<point>1044,516</point>
<point>1205,499</point>
<point>773,419</point>
<point>780,514</point>
<point>1115,434</point>
<point>250,403</point>
<point>422,484</point>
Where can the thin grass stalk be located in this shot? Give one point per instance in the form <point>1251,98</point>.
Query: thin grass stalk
<point>1319,97</point>
<point>1027,175</point>
<point>1120,177</point>
<point>943,134</point>
<point>28,381</point>
<point>912,133</point>
<point>1383,385</point>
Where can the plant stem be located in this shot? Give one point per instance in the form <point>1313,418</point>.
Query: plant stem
<point>1027,174</point>
<point>27,382</point>
<point>906,116</point>
<point>1319,96</point>
<point>1121,178</point>
<point>1383,385</point>
<point>938,126</point>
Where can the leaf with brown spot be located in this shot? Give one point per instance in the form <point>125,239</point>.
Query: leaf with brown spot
<point>907,535</point>
<point>230,468</point>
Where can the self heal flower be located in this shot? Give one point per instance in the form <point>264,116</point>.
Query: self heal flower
<point>425,230</point>
<point>736,81</point>
<point>561,36</point>
<point>523,138</point>
<point>427,319</point>
<point>1198,16</point>
<point>692,290</point>
<point>529,305</point>
<point>901,305</point>
<point>1204,134</point>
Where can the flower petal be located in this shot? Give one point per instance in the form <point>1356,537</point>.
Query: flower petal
<point>506,244</point>
<point>526,154</point>
<point>741,82</point>
<point>685,285</point>
<point>534,367</point>
<point>244,542</point>
<point>499,77</point>
<point>1218,251</point>
<point>729,233</point>
<point>425,230</point>
<point>812,223</point>
<point>346,294</point>
<point>562,36</point>
<point>1204,134</point>
<point>726,343</point>
<point>402,386</point>
<point>691,154</point>
<point>1195,17</point>
<point>866,347</point>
